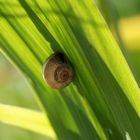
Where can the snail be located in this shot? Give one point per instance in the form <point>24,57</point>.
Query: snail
<point>57,71</point>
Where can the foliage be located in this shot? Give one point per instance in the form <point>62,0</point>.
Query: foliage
<point>103,100</point>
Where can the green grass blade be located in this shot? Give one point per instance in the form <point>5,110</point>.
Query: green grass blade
<point>25,118</point>
<point>103,101</point>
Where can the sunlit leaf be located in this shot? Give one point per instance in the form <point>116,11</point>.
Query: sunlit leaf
<point>103,100</point>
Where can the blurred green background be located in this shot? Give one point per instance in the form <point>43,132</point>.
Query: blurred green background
<point>14,90</point>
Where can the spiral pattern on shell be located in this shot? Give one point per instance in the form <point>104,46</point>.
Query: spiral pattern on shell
<point>57,71</point>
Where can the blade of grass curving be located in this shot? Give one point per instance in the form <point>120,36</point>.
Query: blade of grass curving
<point>64,37</point>
<point>64,126</point>
<point>95,43</point>
<point>25,118</point>
<point>77,28</point>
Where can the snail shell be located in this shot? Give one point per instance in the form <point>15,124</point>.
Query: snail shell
<point>57,72</point>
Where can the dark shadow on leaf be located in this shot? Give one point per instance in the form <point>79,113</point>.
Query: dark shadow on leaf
<point>85,127</point>
<point>134,59</point>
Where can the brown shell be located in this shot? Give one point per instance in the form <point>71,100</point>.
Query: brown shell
<point>57,72</point>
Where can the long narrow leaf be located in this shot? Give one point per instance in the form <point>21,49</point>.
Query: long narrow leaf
<point>103,100</point>
<point>25,118</point>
